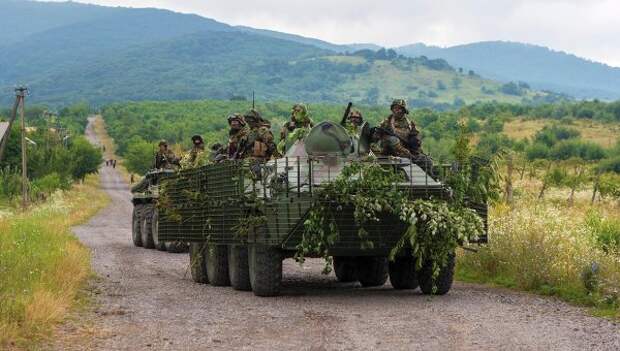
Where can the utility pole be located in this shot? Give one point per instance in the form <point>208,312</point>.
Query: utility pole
<point>21,96</point>
<point>4,141</point>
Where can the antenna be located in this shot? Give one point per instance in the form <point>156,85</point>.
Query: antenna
<point>252,99</point>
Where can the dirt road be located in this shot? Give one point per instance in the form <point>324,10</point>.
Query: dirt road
<point>146,301</point>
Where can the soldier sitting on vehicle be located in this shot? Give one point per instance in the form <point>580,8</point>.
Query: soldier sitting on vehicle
<point>398,136</point>
<point>165,158</point>
<point>297,128</point>
<point>354,121</point>
<point>236,136</point>
<point>260,144</point>
<point>188,161</point>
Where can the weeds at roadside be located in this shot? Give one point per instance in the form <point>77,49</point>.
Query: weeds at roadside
<point>43,265</point>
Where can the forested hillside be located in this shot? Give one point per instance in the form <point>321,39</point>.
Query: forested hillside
<point>103,54</point>
<point>539,66</point>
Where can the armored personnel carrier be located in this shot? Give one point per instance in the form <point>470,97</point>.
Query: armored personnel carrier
<point>241,218</point>
<point>145,217</point>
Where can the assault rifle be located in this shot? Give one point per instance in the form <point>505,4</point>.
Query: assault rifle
<point>343,122</point>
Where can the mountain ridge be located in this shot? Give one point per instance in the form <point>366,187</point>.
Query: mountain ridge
<point>60,54</point>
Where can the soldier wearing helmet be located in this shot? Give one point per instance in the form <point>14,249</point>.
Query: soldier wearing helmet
<point>300,118</point>
<point>297,127</point>
<point>198,147</point>
<point>165,158</point>
<point>260,142</point>
<point>354,121</point>
<point>236,136</point>
<point>397,134</point>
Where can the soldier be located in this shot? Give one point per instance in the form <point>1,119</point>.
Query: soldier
<point>165,158</point>
<point>300,120</point>
<point>236,136</point>
<point>399,136</point>
<point>260,143</point>
<point>354,121</point>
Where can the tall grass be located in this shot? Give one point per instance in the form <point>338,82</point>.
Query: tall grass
<point>548,248</point>
<point>42,265</point>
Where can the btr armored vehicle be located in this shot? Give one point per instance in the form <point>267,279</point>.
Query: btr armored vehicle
<point>241,218</point>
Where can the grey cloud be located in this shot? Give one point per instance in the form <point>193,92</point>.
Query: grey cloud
<point>587,28</point>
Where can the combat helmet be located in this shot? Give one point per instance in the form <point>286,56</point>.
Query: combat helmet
<point>355,113</point>
<point>300,113</point>
<point>400,102</point>
<point>253,115</point>
<point>196,138</point>
<point>238,117</point>
<point>163,142</point>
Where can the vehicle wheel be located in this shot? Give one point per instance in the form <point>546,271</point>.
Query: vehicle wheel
<point>146,229</point>
<point>159,245</point>
<point>175,246</point>
<point>403,273</point>
<point>197,264</point>
<point>265,265</point>
<point>443,281</point>
<point>372,271</point>
<point>136,236</point>
<point>217,265</point>
<point>238,270</point>
<point>345,269</point>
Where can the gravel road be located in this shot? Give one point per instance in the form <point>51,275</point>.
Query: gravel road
<point>145,300</point>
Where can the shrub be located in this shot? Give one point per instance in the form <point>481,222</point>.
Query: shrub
<point>543,248</point>
<point>606,231</point>
<point>537,151</point>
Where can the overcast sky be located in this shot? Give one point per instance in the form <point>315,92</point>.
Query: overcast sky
<point>589,29</point>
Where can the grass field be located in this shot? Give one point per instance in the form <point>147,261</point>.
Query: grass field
<point>551,248</point>
<point>604,134</point>
<point>43,264</point>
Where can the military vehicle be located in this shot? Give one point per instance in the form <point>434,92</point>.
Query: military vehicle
<point>241,218</point>
<point>145,217</point>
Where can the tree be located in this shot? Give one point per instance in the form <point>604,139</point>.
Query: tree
<point>554,177</point>
<point>139,156</point>
<point>86,158</point>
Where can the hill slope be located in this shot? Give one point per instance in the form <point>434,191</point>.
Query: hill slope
<point>541,67</point>
<point>108,54</point>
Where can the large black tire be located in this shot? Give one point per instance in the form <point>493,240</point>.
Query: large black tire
<point>345,269</point>
<point>265,265</point>
<point>403,273</point>
<point>175,246</point>
<point>197,263</point>
<point>159,245</point>
<point>443,281</point>
<point>147,226</point>
<point>217,265</point>
<point>238,268</point>
<point>136,227</point>
<point>372,270</point>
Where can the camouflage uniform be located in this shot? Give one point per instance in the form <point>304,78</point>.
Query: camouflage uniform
<point>296,128</point>
<point>237,137</point>
<point>402,138</point>
<point>260,143</point>
<point>300,118</point>
<point>165,159</point>
<point>189,160</point>
<point>354,122</point>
